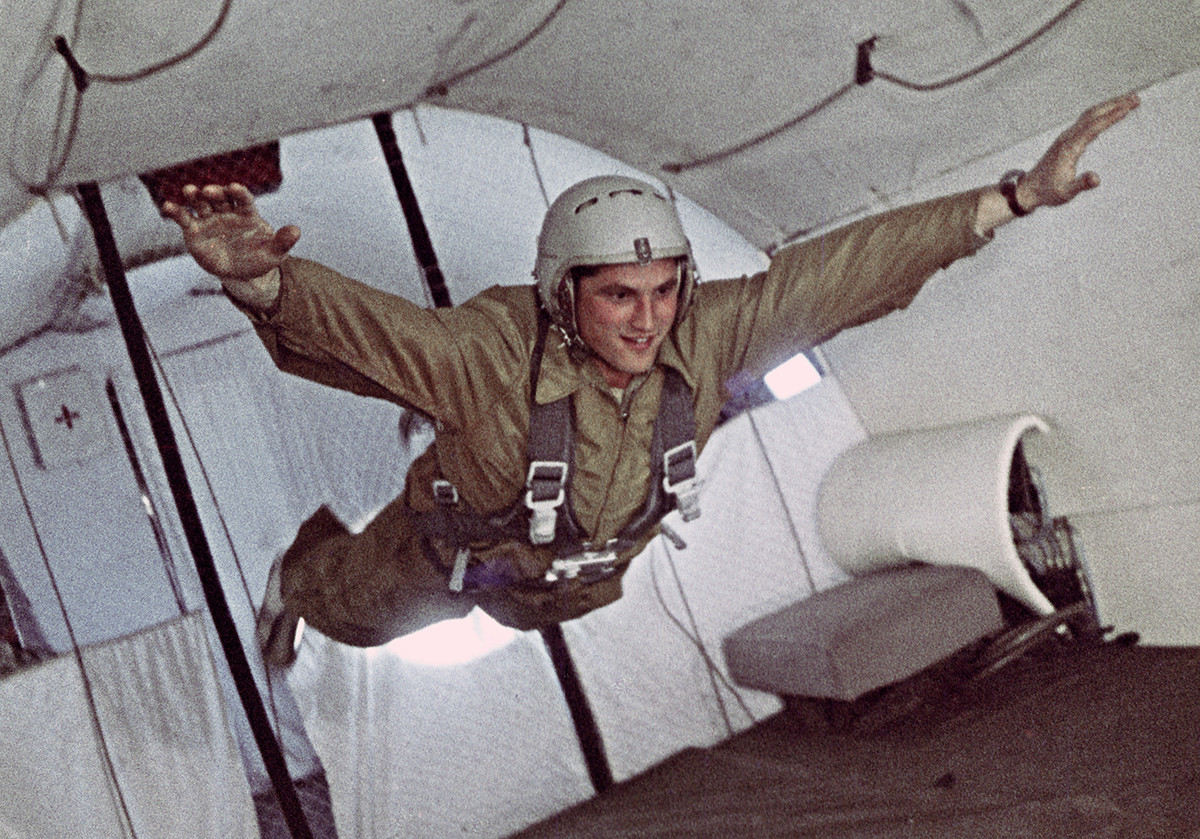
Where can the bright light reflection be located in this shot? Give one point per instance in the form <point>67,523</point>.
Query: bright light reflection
<point>453,642</point>
<point>793,376</point>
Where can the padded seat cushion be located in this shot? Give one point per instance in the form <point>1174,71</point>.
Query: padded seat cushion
<point>872,631</point>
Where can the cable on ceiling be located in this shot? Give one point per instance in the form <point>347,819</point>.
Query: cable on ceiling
<point>62,142</point>
<point>442,88</point>
<point>920,87</point>
<point>137,75</point>
<point>864,73</point>
<point>60,148</point>
<point>716,157</point>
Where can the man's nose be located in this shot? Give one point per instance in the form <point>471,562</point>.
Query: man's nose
<point>643,314</point>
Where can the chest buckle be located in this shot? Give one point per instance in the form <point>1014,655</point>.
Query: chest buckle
<point>590,565</point>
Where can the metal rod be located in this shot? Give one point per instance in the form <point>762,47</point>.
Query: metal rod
<point>586,729</point>
<point>189,516</point>
<point>422,244</point>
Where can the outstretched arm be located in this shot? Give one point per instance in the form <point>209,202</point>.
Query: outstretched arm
<point>1054,180</point>
<point>227,237</point>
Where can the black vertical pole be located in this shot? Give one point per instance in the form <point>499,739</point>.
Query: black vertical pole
<point>422,244</point>
<point>586,730</point>
<point>185,503</point>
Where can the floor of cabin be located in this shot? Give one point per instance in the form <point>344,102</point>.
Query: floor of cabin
<point>1072,741</point>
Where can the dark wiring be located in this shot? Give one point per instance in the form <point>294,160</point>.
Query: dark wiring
<point>88,691</point>
<point>137,75</point>
<point>861,78</point>
<point>715,674</point>
<point>987,65</point>
<point>716,157</point>
<point>24,91</point>
<point>422,137</point>
<point>212,494</point>
<point>537,169</point>
<point>442,87</point>
<point>81,79</point>
<point>59,150</point>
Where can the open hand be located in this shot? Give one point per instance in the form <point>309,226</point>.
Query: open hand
<point>225,234</point>
<point>1054,180</point>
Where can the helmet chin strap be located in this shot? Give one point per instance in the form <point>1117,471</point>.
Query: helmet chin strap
<point>681,306</point>
<point>577,348</point>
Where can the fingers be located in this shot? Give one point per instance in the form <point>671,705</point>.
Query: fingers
<point>285,239</point>
<point>1086,181</point>
<point>183,214</point>
<point>213,199</point>
<point>1057,167</point>
<point>1119,106</point>
<point>176,214</point>
<point>1101,117</point>
<point>240,198</point>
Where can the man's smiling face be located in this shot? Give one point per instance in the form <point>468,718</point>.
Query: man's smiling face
<point>624,313</point>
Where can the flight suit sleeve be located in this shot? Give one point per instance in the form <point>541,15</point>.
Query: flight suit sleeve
<point>843,278</point>
<point>444,363</point>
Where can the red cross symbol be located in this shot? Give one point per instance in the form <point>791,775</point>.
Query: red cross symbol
<point>67,417</point>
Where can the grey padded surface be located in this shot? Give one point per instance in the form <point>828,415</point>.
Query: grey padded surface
<point>872,631</point>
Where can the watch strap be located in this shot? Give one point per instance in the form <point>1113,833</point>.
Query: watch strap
<point>1008,188</point>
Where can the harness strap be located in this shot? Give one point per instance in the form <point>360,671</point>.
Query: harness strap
<point>674,433</point>
<point>550,451</point>
<point>678,423</point>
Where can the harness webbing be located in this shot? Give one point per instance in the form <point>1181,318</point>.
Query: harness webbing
<point>551,518</point>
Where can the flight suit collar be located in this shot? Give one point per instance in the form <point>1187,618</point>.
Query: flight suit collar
<point>561,375</point>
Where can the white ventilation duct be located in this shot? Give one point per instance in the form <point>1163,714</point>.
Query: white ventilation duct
<point>938,496</point>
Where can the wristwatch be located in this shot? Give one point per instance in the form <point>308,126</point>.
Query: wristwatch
<point>1008,188</point>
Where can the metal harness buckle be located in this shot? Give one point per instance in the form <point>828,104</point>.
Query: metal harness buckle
<point>446,495</point>
<point>679,479</point>
<point>545,492</point>
<point>444,492</point>
<point>593,563</point>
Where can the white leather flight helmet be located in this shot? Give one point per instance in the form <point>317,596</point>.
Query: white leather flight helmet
<point>607,220</point>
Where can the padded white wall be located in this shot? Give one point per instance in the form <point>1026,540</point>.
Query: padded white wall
<point>1085,315</point>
